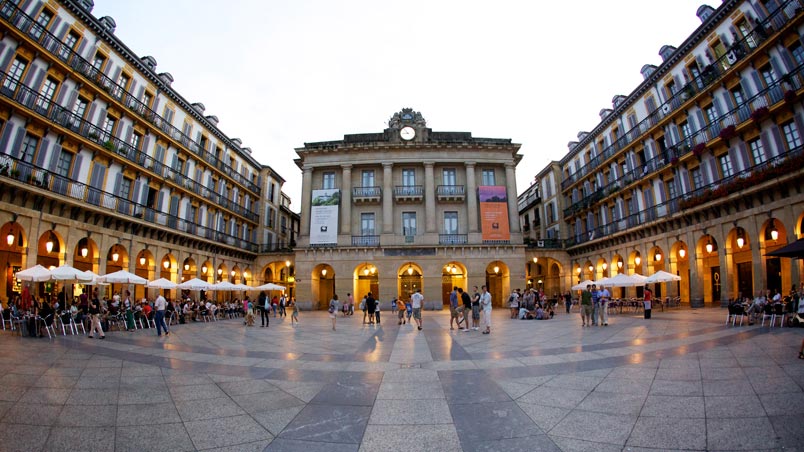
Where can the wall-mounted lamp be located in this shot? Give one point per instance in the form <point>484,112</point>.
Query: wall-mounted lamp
<point>591,268</point>
<point>287,263</point>
<point>740,236</point>
<point>620,264</point>
<point>50,241</point>
<point>142,261</point>
<point>638,259</point>
<point>535,260</point>
<point>605,266</point>
<point>496,269</point>
<point>324,272</point>
<point>410,269</point>
<point>709,246</point>
<point>186,266</point>
<point>166,264</point>
<point>220,271</point>
<point>578,270</point>
<point>204,269</point>
<point>232,273</point>
<point>682,252</point>
<point>774,233</point>
<point>115,256</point>
<point>658,256</point>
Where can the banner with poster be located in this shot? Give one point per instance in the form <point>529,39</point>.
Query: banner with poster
<point>494,213</point>
<point>324,216</point>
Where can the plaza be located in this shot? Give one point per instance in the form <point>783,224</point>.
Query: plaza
<point>682,380</point>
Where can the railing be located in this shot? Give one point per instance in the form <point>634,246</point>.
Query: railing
<point>19,170</point>
<point>27,25</point>
<point>451,190</point>
<point>279,246</point>
<point>366,192</point>
<point>708,76</point>
<point>366,240</point>
<point>545,243</point>
<point>28,98</point>
<point>530,199</point>
<point>408,191</point>
<point>787,84</point>
<point>453,239</point>
<point>675,205</point>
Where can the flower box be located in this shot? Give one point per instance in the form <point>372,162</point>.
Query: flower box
<point>790,96</point>
<point>674,161</point>
<point>699,149</point>
<point>728,132</point>
<point>759,114</point>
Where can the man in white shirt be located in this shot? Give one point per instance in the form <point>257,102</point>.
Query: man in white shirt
<point>485,306</point>
<point>605,297</point>
<point>159,318</point>
<point>416,302</point>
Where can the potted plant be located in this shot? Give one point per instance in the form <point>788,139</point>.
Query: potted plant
<point>790,96</point>
<point>15,173</point>
<point>4,170</point>
<point>728,132</point>
<point>93,136</point>
<point>698,150</point>
<point>109,145</point>
<point>674,161</point>
<point>759,114</point>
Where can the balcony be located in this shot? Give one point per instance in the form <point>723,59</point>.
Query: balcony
<point>371,241</point>
<point>25,97</point>
<point>408,193</point>
<point>366,195</point>
<point>87,197</point>
<point>451,193</point>
<point>27,26</point>
<point>453,239</point>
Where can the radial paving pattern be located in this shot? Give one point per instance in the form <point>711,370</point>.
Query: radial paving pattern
<point>681,381</point>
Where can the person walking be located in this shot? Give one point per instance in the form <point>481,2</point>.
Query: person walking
<point>333,310</point>
<point>595,304</point>
<point>264,305</point>
<point>371,306</point>
<point>485,303</point>
<point>476,310</point>
<point>453,308</point>
<point>466,300</point>
<point>416,302</point>
<point>94,319</point>
<point>294,315</point>
<point>605,297</point>
<point>568,301</point>
<point>282,302</point>
<point>586,306</point>
<point>647,301</point>
<point>160,305</point>
<point>400,308</point>
<point>350,299</point>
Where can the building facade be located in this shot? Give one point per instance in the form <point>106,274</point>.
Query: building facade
<point>105,167</point>
<point>698,171</point>
<point>408,208</point>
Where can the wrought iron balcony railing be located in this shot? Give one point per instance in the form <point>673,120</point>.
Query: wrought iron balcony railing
<point>366,240</point>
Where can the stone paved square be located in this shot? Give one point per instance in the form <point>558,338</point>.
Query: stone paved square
<point>682,371</point>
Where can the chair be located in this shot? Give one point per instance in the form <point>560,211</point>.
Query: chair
<point>74,326</point>
<point>48,327</point>
<point>151,320</point>
<point>778,313</point>
<point>734,311</point>
<point>7,319</point>
<point>767,313</point>
<point>59,320</point>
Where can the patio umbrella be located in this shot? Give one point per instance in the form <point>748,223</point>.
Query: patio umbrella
<point>94,281</point>
<point>623,280</point>
<point>793,250</point>
<point>161,283</point>
<point>602,282</point>
<point>582,285</point>
<point>242,287</point>
<point>270,286</point>
<point>123,277</point>
<point>37,273</point>
<point>224,286</point>
<point>195,284</point>
<point>662,276</point>
<point>68,273</point>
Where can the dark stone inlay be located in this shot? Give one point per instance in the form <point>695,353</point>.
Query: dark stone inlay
<point>443,347</point>
<point>480,422</point>
<point>379,346</point>
<point>327,423</point>
<point>473,386</point>
<point>347,392</point>
<point>292,445</point>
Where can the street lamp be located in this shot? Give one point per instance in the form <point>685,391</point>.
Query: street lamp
<point>10,238</point>
<point>166,264</point>
<point>50,242</point>
<point>142,261</point>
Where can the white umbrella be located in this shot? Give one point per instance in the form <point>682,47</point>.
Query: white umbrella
<point>195,284</point>
<point>37,273</point>
<point>582,285</point>
<point>123,277</point>
<point>68,273</point>
<point>270,286</point>
<point>161,283</point>
<point>602,282</point>
<point>662,276</point>
<point>224,286</point>
<point>94,281</point>
<point>242,287</point>
<point>623,280</point>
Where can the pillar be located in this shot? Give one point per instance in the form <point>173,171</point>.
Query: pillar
<point>511,195</point>
<point>471,197</point>
<point>346,200</point>
<point>429,198</point>
<point>387,198</point>
<point>307,190</point>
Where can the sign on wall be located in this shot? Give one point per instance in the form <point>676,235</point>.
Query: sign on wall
<point>324,216</point>
<point>494,213</point>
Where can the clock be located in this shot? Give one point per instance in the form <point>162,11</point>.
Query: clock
<point>407,133</point>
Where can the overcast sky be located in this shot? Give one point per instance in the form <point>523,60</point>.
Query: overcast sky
<point>281,73</point>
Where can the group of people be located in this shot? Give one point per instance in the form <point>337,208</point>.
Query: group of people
<point>278,305</point>
<point>595,306</point>
<point>532,304</point>
<point>767,302</point>
<point>464,307</point>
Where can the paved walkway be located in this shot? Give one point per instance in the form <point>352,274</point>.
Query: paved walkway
<point>681,381</point>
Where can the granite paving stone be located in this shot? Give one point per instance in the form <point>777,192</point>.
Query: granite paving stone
<point>205,434</point>
<point>740,434</point>
<point>79,438</point>
<point>605,428</point>
<point>166,436</point>
<point>400,438</point>
<point>668,433</point>
<point>332,424</point>
<point>492,420</point>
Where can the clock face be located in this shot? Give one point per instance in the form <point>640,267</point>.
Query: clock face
<point>407,133</point>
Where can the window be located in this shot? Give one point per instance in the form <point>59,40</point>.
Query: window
<point>791,135</point>
<point>42,22</point>
<point>408,223</point>
<point>64,164</point>
<point>757,151</point>
<point>328,182</point>
<point>671,89</point>
<point>80,107</point>
<point>671,189</point>
<point>122,85</point>
<point>697,178</point>
<point>711,114</point>
<point>725,165</point>
<point>367,223</point>
<point>768,75</point>
<point>29,145</point>
<point>408,177</point>
<point>98,61</point>
<point>136,139</point>
<point>488,177</point>
<point>147,98</point>
<point>451,222</point>
<point>46,93</point>
<point>719,50</point>
<point>745,30</point>
<point>686,133</point>
<point>168,115</point>
<point>270,217</point>
<point>108,126</point>
<point>798,53</point>
<point>737,94</point>
<point>125,188</point>
<point>69,44</point>
<point>367,178</point>
<point>448,175</point>
<point>551,213</point>
<point>15,74</point>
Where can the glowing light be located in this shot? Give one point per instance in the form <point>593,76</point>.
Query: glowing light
<point>619,264</point>
<point>166,264</point>
<point>220,271</point>
<point>591,268</point>
<point>84,252</point>
<point>637,260</point>
<point>605,265</point>
<point>10,238</point>
<point>709,247</point>
<point>49,246</point>
<point>186,266</point>
<point>287,263</point>
<point>142,261</point>
<point>535,260</point>
<point>324,272</point>
<point>496,269</point>
<point>682,252</point>
<point>410,269</point>
<point>740,242</point>
<point>204,269</point>
<point>658,256</point>
<point>116,256</point>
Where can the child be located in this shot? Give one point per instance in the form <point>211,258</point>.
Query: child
<point>408,308</point>
<point>400,307</point>
<point>294,316</point>
<point>250,314</point>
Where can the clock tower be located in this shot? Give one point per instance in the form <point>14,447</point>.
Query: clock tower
<point>407,126</point>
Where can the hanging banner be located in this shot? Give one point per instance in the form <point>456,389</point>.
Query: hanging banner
<point>494,213</point>
<point>324,217</point>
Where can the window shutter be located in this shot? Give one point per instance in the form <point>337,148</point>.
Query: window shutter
<point>6,136</point>
<point>146,141</point>
<point>757,83</point>
<point>101,117</point>
<point>144,195</point>
<point>781,146</point>
<point>117,185</point>
<point>76,172</point>
<point>115,73</point>
<point>159,200</point>
<point>777,68</point>
<point>701,122</point>
<point>127,135</point>
<point>787,59</point>
<point>32,73</point>
<point>16,148</point>
<point>743,149</point>
<point>136,194</point>
<point>81,46</point>
<point>40,156</point>
<point>6,56</point>
<point>54,158</point>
